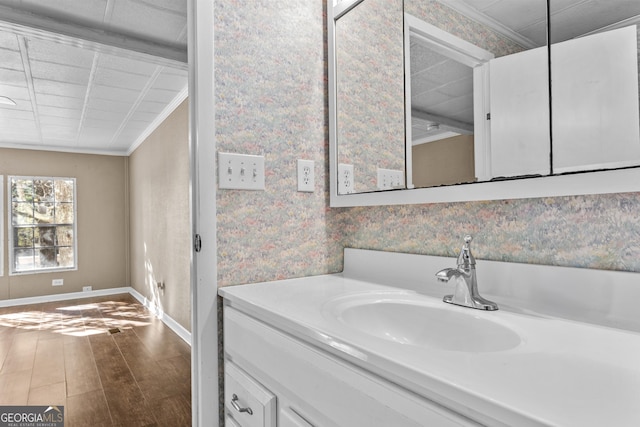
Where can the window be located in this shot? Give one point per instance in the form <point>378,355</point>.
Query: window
<point>43,224</point>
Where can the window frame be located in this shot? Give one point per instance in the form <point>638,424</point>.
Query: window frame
<point>10,226</point>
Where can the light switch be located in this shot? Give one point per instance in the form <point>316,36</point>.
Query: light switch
<point>390,178</point>
<point>240,171</point>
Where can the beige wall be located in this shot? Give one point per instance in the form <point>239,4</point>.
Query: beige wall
<point>447,161</point>
<point>101,221</point>
<point>160,242</point>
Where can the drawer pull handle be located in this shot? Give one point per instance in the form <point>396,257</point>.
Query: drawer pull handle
<point>236,406</point>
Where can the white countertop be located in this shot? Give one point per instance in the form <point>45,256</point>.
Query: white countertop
<point>563,372</point>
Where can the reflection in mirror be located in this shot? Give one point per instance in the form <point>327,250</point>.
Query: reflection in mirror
<point>596,118</point>
<point>453,94</point>
<point>370,97</point>
<point>448,93</point>
<point>440,92</point>
<point>594,76</point>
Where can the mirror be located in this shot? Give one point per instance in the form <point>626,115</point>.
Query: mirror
<point>440,104</point>
<point>461,146</point>
<point>370,94</point>
<point>446,55</point>
<point>477,125</point>
<point>594,84</point>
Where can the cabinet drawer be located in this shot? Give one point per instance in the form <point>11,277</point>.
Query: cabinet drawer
<point>246,400</point>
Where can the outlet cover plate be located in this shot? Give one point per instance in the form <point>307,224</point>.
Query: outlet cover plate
<point>87,289</point>
<point>345,179</point>
<point>306,175</point>
<point>240,171</point>
<point>57,282</point>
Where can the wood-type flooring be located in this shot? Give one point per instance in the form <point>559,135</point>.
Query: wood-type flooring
<point>107,360</point>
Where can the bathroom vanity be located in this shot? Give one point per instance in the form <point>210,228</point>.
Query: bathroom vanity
<point>377,346</point>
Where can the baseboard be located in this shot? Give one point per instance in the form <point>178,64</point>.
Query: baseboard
<point>166,319</point>
<point>63,297</point>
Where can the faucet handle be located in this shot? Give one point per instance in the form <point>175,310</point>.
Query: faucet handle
<point>466,258</point>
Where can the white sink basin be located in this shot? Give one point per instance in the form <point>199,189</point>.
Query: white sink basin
<point>424,322</point>
<point>523,365</point>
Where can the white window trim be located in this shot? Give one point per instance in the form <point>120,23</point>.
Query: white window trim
<point>10,227</point>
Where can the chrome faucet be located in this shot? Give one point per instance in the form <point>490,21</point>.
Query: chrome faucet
<point>466,291</point>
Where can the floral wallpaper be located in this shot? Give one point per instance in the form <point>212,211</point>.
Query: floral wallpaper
<point>601,232</point>
<point>271,99</point>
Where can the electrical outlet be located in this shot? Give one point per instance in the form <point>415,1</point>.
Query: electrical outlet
<point>57,282</point>
<point>390,178</point>
<point>345,179</point>
<point>87,289</point>
<point>306,175</point>
<point>240,171</point>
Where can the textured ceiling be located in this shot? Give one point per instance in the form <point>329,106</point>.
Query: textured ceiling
<point>89,75</point>
<point>526,19</point>
<point>441,94</point>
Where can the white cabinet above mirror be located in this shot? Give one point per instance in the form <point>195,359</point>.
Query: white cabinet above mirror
<point>457,153</point>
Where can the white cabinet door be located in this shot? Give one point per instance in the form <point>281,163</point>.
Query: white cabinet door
<point>594,83</point>
<point>288,418</point>
<point>520,140</point>
<point>328,391</point>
